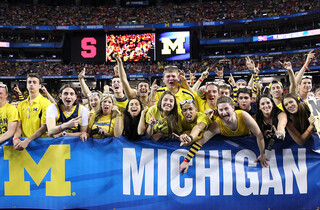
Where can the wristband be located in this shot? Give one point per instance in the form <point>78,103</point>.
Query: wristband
<point>308,131</point>
<point>59,128</point>
<point>190,137</point>
<point>14,139</point>
<point>191,83</point>
<point>152,101</point>
<point>306,67</point>
<point>200,80</point>
<point>186,160</point>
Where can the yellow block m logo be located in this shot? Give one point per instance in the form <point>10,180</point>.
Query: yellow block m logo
<point>177,46</point>
<point>54,159</point>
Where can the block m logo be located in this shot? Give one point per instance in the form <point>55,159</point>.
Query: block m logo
<point>54,159</point>
<point>177,45</point>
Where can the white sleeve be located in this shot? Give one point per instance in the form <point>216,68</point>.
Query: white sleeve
<point>52,111</point>
<point>84,116</point>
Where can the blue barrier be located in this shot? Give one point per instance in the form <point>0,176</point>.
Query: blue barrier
<point>117,173</point>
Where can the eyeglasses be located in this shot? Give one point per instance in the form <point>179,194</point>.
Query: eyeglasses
<point>4,86</point>
<point>186,101</point>
<point>306,77</point>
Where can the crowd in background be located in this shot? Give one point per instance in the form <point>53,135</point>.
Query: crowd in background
<point>229,64</point>
<point>113,14</point>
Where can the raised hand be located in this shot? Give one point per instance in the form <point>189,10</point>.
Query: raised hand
<point>287,65</point>
<point>250,64</point>
<point>152,120</point>
<point>219,72</point>
<point>154,88</point>
<point>231,81</point>
<point>82,74</point>
<point>73,123</point>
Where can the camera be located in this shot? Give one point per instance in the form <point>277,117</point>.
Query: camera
<point>270,140</point>
<point>94,131</point>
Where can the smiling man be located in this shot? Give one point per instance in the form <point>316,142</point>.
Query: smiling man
<point>305,87</point>
<point>67,117</point>
<point>230,123</point>
<point>276,91</point>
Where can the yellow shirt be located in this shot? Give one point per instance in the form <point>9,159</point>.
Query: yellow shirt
<point>8,113</point>
<point>201,117</point>
<point>242,129</point>
<point>34,115</point>
<point>203,106</point>
<point>103,122</point>
<point>122,103</point>
<point>280,107</point>
<point>161,125</point>
<point>181,95</point>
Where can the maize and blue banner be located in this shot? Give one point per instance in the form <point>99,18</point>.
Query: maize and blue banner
<point>115,173</point>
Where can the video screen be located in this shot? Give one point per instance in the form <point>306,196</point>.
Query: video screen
<point>131,47</point>
<point>174,45</point>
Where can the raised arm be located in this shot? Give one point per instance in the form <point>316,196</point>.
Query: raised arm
<point>45,91</point>
<point>142,123</point>
<point>310,56</point>
<point>292,79</point>
<point>203,76</point>
<point>130,93</point>
<point>84,87</point>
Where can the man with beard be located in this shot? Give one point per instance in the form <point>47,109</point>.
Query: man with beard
<point>32,114</point>
<point>143,87</point>
<point>245,103</point>
<point>230,123</point>
<point>67,117</point>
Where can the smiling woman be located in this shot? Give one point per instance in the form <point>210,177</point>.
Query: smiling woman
<point>163,119</point>
<point>300,122</point>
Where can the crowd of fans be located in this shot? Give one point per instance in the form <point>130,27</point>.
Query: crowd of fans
<point>113,14</point>
<point>229,64</point>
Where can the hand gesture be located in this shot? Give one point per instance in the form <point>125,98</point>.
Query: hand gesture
<point>144,111</point>
<point>116,70</point>
<point>192,76</point>
<point>116,56</point>
<point>280,135</point>
<point>231,81</point>
<point>44,89</point>
<point>184,139</point>
<point>73,123</point>
<point>106,89</point>
<point>182,76</point>
<point>103,132</point>
<point>82,74</point>
<point>287,65</point>
<point>154,88</point>
<point>152,120</point>
<point>184,167</point>
<point>263,160</point>
<point>205,74</point>
<point>219,72</point>
<point>16,88</point>
<point>310,56</point>
<point>250,64</point>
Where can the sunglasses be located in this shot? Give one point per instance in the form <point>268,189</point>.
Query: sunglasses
<point>245,87</point>
<point>212,83</point>
<point>4,86</point>
<point>307,77</point>
<point>186,101</point>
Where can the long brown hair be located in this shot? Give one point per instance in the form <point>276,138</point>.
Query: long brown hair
<point>299,119</point>
<point>172,117</point>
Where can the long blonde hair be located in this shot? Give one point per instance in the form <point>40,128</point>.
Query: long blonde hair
<point>99,111</point>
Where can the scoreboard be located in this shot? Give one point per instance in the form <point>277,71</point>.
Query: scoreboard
<point>97,47</point>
